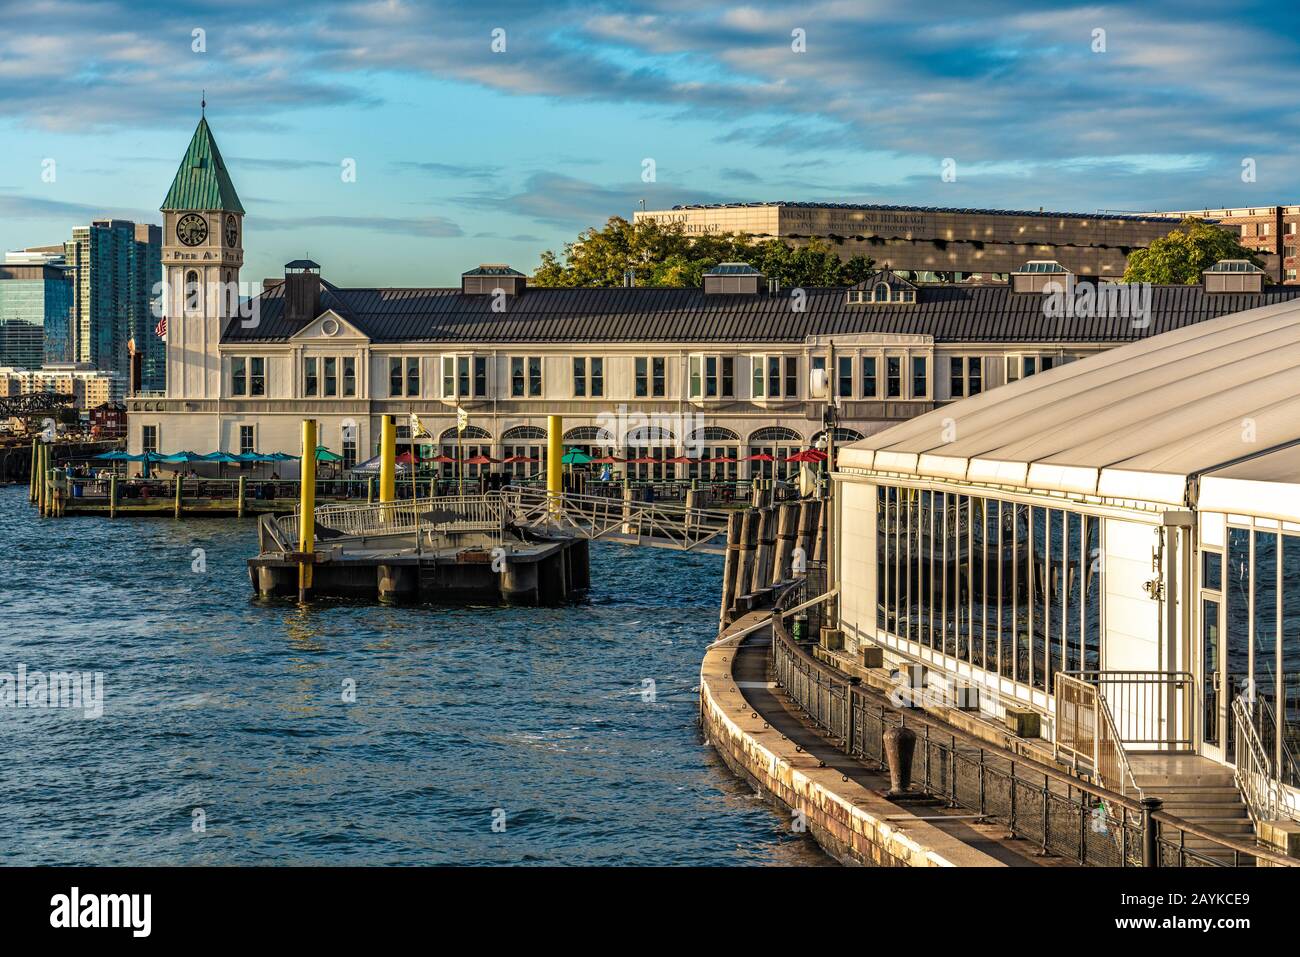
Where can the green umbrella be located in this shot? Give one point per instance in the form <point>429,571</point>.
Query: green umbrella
<point>325,455</point>
<point>576,457</point>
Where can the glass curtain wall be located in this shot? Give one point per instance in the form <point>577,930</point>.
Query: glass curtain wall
<point>1262,660</point>
<point>1010,588</point>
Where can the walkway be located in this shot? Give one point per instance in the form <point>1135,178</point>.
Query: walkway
<point>754,679</point>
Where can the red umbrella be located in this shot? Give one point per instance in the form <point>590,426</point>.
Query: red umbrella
<point>515,459</point>
<point>442,460</point>
<point>404,459</point>
<point>608,460</point>
<point>724,458</point>
<point>807,455</point>
<point>760,457</point>
<point>682,460</point>
<point>645,461</point>
<point>480,459</point>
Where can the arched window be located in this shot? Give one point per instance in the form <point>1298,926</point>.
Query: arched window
<point>775,433</point>
<point>471,432</point>
<point>521,432</point>
<point>649,434</point>
<point>882,292</point>
<point>193,292</point>
<point>841,435</point>
<point>714,433</point>
<point>589,433</point>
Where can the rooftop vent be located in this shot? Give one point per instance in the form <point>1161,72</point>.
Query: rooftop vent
<point>732,279</point>
<point>486,279</point>
<point>301,290</point>
<point>1233,275</point>
<point>1037,273</point>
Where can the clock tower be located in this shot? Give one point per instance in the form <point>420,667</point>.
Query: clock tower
<point>203,251</point>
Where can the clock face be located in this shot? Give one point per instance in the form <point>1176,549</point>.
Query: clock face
<point>232,231</point>
<point>192,229</point>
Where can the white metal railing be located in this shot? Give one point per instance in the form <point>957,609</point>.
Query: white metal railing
<point>452,513</point>
<point>1259,786</point>
<point>1085,730</point>
<point>600,516</point>
<point>591,516</point>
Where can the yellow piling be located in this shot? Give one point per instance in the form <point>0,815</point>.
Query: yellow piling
<point>388,462</point>
<point>307,507</point>
<point>554,465</point>
<point>243,490</point>
<point>112,495</point>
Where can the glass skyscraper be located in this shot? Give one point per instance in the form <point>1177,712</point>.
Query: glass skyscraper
<point>35,315</point>
<point>115,266</point>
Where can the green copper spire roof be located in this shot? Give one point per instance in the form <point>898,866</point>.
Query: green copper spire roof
<point>203,182</point>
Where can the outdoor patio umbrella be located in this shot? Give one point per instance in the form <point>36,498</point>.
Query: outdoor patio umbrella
<point>441,459</point>
<point>760,457</point>
<point>576,457</point>
<point>325,455</point>
<point>515,459</point>
<point>682,460</point>
<point>608,460</point>
<point>807,455</point>
<point>722,458</point>
<point>480,460</point>
<point>114,455</point>
<point>643,461</point>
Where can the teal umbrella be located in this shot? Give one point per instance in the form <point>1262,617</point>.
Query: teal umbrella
<point>325,455</point>
<point>576,457</point>
<point>223,458</point>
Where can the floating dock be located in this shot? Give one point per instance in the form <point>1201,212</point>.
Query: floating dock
<point>460,549</point>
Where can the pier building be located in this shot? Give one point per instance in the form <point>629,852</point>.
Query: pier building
<point>1112,547</point>
<point>722,372</point>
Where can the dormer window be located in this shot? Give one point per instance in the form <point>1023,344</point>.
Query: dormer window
<point>884,288</point>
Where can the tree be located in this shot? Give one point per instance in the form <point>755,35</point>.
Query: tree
<point>664,255</point>
<point>1181,256</point>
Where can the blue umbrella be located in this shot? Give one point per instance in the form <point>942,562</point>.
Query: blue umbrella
<point>115,455</point>
<point>224,458</point>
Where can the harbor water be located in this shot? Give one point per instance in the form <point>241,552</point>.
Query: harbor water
<point>235,731</point>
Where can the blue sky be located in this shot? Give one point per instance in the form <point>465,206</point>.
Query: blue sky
<point>465,155</point>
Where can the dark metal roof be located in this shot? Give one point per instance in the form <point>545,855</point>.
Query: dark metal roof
<point>733,269</point>
<point>492,269</point>
<point>879,207</point>
<point>302,264</point>
<point>949,313</point>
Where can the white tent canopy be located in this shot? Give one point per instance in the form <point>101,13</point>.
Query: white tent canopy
<point>1137,422</point>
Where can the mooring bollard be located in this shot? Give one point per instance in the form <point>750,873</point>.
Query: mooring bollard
<point>1150,832</point>
<point>900,746</point>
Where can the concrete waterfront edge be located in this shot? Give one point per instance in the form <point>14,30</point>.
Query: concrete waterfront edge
<point>850,822</point>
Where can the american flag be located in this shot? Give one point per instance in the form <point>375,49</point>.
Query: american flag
<point>160,330</point>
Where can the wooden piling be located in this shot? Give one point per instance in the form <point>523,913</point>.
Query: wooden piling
<point>804,536</point>
<point>112,495</point>
<point>691,495</point>
<point>627,506</point>
<point>786,529</point>
<point>243,493</point>
<point>762,576</point>
<point>176,512</point>
<point>34,477</point>
<point>730,562</point>
<point>748,546</point>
